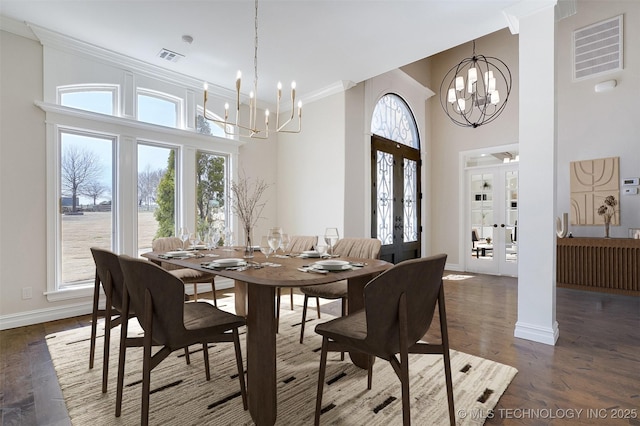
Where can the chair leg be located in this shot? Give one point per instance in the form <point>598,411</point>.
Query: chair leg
<point>213,290</point>
<point>107,340</point>
<point>205,352</point>
<point>195,292</point>
<point>304,317</point>
<point>186,355</point>
<point>344,313</point>
<point>321,374</point>
<point>94,319</point>
<point>243,388</point>
<point>146,360</point>
<point>123,348</point>
<point>318,306</point>
<point>291,297</point>
<point>404,359</point>
<point>446,356</point>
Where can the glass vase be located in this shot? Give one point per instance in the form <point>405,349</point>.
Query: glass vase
<point>606,228</point>
<point>248,246</point>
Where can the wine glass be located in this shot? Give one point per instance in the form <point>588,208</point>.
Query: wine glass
<point>320,247</point>
<point>331,237</point>
<point>197,239</point>
<point>265,246</point>
<point>275,238</point>
<point>184,235</point>
<point>228,239</point>
<point>214,238</point>
<point>284,244</point>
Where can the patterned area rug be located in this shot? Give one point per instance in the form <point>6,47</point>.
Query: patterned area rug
<point>182,396</point>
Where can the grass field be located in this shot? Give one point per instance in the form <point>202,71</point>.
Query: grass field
<point>93,229</point>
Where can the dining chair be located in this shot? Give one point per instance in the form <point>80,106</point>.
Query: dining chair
<point>297,244</point>
<point>109,276</point>
<point>363,248</point>
<point>187,275</point>
<point>153,293</point>
<point>399,305</point>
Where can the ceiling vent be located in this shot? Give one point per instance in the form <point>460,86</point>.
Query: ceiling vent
<point>169,55</point>
<point>597,49</point>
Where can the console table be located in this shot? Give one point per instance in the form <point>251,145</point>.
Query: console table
<point>609,265</point>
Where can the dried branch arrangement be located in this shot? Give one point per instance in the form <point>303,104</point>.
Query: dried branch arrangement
<point>247,194</point>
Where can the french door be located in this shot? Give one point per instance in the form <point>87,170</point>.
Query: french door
<point>492,206</point>
<point>396,196</point>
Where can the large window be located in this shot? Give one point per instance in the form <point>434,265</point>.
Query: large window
<point>156,194</point>
<point>85,215</point>
<point>211,183</point>
<point>101,99</point>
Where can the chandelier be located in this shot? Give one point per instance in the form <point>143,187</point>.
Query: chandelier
<point>251,128</point>
<point>476,101</point>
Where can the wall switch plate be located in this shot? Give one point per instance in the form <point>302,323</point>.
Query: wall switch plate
<point>629,191</point>
<point>631,181</point>
<point>27,293</point>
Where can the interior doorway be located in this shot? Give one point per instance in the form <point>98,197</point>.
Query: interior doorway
<point>491,225</point>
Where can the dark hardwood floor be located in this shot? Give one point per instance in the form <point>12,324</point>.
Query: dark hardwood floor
<point>595,366</point>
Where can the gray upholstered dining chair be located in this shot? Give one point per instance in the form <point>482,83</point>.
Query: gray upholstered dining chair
<point>187,275</point>
<point>297,244</point>
<point>364,248</point>
<point>399,305</point>
<point>157,298</point>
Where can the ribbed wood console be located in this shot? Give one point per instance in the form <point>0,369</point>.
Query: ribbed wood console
<point>603,264</point>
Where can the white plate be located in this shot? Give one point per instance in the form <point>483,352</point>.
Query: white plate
<point>223,263</point>
<point>178,253</point>
<point>310,253</point>
<point>332,265</point>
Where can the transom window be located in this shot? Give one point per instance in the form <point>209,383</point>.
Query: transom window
<point>158,108</point>
<point>100,99</point>
<point>392,119</point>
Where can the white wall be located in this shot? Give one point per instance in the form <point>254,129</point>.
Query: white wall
<point>599,125</point>
<point>311,170</point>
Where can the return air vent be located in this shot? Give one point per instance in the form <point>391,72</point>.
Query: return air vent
<point>597,49</point>
<point>170,56</point>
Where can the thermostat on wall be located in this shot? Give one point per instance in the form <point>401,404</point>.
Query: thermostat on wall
<point>630,191</point>
<point>631,181</point>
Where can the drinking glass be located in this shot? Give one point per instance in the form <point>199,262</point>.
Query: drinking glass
<point>184,235</point>
<point>331,237</point>
<point>320,247</point>
<point>214,238</point>
<point>284,244</point>
<point>197,239</point>
<point>265,246</point>
<point>275,238</point>
<point>228,239</point>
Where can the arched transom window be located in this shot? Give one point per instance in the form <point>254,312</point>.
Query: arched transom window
<point>392,119</point>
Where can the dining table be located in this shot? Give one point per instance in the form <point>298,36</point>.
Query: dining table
<point>255,291</point>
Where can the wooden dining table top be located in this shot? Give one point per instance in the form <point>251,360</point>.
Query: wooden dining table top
<point>286,274</point>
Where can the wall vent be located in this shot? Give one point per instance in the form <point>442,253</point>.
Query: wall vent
<point>169,55</point>
<point>597,49</point>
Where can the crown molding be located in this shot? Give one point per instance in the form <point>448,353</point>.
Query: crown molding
<point>20,28</point>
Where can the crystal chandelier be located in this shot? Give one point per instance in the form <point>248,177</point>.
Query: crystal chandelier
<point>476,101</point>
<point>252,130</point>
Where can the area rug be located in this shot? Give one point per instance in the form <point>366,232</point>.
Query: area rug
<point>456,277</point>
<point>182,396</point>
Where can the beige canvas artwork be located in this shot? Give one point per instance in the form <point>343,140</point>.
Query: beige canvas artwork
<point>591,182</point>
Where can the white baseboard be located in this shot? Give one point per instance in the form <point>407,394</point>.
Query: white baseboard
<point>453,267</point>
<point>546,335</point>
<point>70,310</point>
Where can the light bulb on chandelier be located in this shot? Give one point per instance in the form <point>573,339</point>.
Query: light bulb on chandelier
<point>250,129</point>
<point>480,103</point>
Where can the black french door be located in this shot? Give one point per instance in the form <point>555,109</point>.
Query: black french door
<point>395,199</point>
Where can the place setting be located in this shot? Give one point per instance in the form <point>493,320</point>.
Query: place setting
<point>230,264</point>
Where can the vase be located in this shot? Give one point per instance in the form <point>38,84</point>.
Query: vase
<point>248,246</point>
<point>606,228</point>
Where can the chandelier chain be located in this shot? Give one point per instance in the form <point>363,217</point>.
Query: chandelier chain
<point>255,51</point>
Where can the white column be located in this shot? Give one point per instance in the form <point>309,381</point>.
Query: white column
<point>537,186</point>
